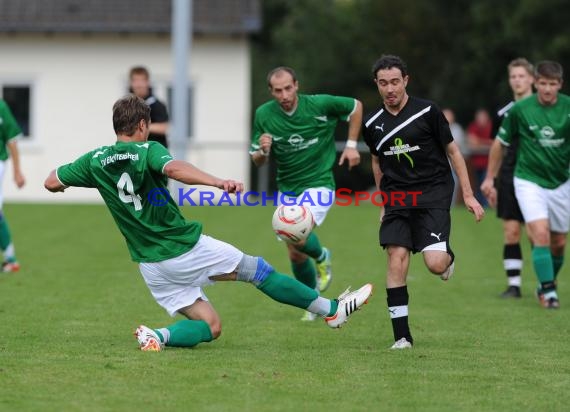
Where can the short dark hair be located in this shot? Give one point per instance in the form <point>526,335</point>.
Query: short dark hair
<point>522,62</point>
<point>139,70</point>
<point>549,69</point>
<point>128,111</point>
<point>281,69</point>
<point>389,61</point>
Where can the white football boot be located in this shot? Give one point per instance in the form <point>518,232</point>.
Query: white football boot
<point>401,344</point>
<point>348,303</point>
<point>148,339</point>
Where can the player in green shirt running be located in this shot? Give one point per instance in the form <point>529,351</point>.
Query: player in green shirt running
<point>541,123</point>
<point>298,131</point>
<point>175,259</point>
<point>9,133</point>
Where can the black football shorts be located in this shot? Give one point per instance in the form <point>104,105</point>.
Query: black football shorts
<point>416,229</point>
<point>507,205</point>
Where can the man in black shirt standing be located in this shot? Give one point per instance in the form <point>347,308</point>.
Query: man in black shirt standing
<point>139,78</point>
<point>502,193</point>
<point>411,147</point>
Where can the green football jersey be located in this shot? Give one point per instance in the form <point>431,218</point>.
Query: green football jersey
<point>303,141</point>
<point>9,128</point>
<point>543,155</point>
<point>130,178</point>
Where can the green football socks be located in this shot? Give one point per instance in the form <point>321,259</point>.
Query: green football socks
<point>543,265</point>
<point>305,273</point>
<point>185,333</point>
<point>290,291</point>
<point>312,247</point>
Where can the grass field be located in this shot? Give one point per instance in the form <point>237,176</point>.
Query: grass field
<point>67,319</point>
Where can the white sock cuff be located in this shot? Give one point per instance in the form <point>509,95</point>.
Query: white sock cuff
<point>9,252</point>
<point>320,306</point>
<point>551,294</point>
<point>165,334</point>
<point>513,264</point>
<point>398,311</point>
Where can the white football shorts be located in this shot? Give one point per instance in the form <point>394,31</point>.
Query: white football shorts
<point>177,282</point>
<point>318,200</point>
<point>539,203</point>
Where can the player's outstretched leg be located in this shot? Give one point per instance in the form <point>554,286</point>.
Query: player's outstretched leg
<point>290,291</point>
<point>203,324</point>
<point>184,334</point>
<point>304,271</point>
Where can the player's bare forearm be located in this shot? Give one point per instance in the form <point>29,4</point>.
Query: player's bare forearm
<point>15,155</point>
<point>53,184</point>
<point>495,159</point>
<point>377,172</point>
<point>189,174</point>
<point>458,164</point>
<point>350,152</point>
<point>260,157</point>
<point>355,122</point>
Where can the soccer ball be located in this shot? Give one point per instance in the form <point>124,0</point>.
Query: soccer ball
<point>292,223</point>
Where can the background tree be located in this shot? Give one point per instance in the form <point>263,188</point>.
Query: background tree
<point>456,51</point>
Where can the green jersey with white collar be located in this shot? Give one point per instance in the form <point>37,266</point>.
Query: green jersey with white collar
<point>303,141</point>
<point>129,177</point>
<point>543,155</point>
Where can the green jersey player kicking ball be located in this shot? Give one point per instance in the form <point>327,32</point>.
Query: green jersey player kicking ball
<point>175,259</point>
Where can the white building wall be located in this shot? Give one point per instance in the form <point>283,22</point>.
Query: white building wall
<point>75,80</point>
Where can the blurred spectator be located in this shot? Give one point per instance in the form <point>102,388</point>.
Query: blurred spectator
<point>139,78</point>
<point>479,141</point>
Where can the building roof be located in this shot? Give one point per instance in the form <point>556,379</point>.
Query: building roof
<point>126,16</point>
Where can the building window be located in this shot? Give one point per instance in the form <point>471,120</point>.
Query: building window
<point>18,98</point>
